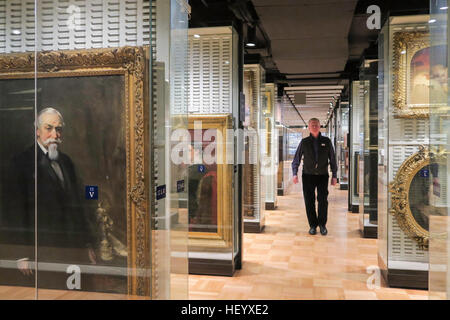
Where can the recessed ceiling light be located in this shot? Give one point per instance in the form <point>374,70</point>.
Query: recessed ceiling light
<point>443,8</point>
<point>16,32</point>
<point>250,44</point>
<point>432,21</point>
<point>196,36</point>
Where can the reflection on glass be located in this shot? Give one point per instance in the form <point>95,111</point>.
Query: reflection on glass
<point>202,191</point>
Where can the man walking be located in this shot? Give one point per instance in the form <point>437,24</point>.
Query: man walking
<point>317,151</point>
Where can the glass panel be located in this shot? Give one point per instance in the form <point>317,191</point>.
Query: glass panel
<point>438,204</point>
<point>383,151</point>
<point>17,147</point>
<point>254,124</point>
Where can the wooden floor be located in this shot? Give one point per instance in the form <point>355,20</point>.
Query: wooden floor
<point>285,262</point>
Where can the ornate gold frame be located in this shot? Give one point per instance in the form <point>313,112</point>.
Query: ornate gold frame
<point>132,63</point>
<point>399,189</point>
<point>223,237</point>
<point>405,45</point>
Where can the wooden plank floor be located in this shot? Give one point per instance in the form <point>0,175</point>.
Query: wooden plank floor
<point>285,262</point>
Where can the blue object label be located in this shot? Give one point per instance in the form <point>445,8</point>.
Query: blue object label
<point>91,192</point>
<point>160,192</point>
<point>180,186</point>
<point>424,173</point>
<point>201,168</point>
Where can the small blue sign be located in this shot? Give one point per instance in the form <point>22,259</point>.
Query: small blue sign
<point>424,173</point>
<point>201,168</point>
<point>160,192</point>
<point>180,186</point>
<point>91,192</point>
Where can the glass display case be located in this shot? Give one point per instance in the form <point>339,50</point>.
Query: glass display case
<point>213,95</point>
<point>87,96</point>
<point>356,108</point>
<point>438,215</point>
<point>269,146</point>
<point>368,149</point>
<point>254,199</point>
<point>342,150</point>
<point>403,170</point>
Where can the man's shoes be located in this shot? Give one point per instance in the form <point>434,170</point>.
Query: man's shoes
<point>312,231</point>
<point>323,230</point>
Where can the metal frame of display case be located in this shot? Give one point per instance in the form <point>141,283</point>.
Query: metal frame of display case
<point>369,149</point>
<point>354,153</point>
<point>270,152</point>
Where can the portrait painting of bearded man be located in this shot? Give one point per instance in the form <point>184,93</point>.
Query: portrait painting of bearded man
<point>56,141</point>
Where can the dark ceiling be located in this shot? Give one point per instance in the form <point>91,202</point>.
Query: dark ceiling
<point>309,44</point>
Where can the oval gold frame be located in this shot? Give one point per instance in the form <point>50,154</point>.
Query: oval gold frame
<point>399,189</point>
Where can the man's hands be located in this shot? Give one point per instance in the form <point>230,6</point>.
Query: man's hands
<point>295,180</point>
<point>92,256</point>
<point>333,181</point>
<point>24,267</point>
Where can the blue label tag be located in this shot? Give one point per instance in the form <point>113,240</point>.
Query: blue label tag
<point>160,192</point>
<point>201,168</point>
<point>180,186</point>
<point>91,192</point>
<point>424,173</point>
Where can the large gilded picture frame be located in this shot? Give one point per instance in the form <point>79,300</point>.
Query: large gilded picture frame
<point>401,200</point>
<point>221,237</point>
<point>131,64</point>
<point>413,75</point>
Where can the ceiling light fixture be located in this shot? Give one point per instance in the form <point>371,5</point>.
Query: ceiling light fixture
<point>432,21</point>
<point>16,32</point>
<point>196,36</point>
<point>443,8</point>
<point>251,37</point>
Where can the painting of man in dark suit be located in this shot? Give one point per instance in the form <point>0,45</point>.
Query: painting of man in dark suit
<point>64,232</point>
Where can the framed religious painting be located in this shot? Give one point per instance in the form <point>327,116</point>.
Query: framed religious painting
<point>210,202</point>
<point>419,76</point>
<point>74,176</point>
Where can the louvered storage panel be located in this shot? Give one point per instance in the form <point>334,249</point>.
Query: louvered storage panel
<point>2,26</point>
<point>210,61</point>
<point>73,24</point>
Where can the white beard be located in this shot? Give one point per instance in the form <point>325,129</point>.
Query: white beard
<point>52,147</point>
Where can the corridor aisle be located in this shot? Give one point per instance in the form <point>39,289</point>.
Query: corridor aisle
<point>285,262</point>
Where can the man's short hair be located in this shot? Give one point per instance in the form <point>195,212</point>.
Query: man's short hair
<point>48,110</point>
<point>313,119</point>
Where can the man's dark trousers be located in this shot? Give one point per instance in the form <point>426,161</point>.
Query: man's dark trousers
<point>310,183</point>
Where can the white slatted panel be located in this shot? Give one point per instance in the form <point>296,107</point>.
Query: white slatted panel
<point>73,24</point>
<point>405,137</point>
<point>210,73</point>
<point>2,26</point>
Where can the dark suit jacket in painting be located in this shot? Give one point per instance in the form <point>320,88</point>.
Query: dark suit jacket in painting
<point>64,231</point>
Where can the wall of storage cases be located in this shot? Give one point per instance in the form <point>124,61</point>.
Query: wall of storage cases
<point>342,149</point>
<point>254,124</point>
<point>213,95</point>
<point>404,131</point>
<point>103,110</point>
<point>356,107</point>
<point>439,245</point>
<point>269,139</point>
<point>368,166</point>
